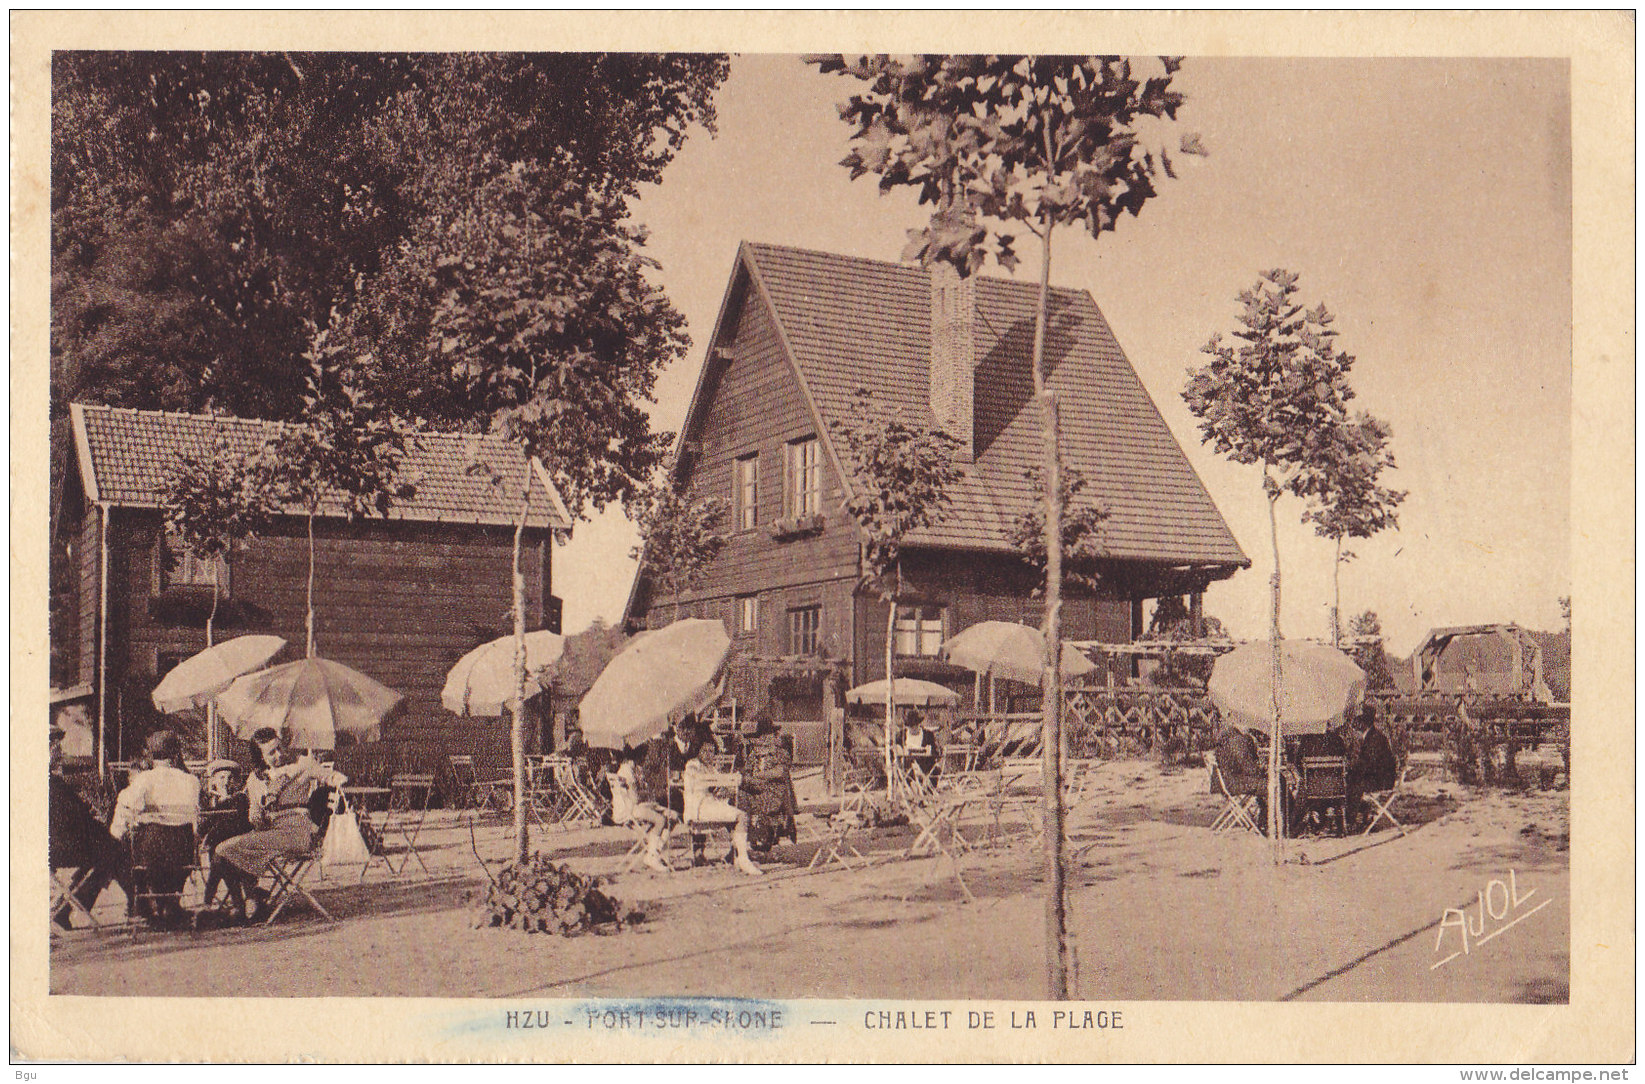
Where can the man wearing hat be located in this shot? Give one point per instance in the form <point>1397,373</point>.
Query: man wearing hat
<point>77,839</point>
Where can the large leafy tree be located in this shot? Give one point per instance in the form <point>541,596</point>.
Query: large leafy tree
<point>207,207</point>
<point>1352,503</point>
<point>537,322</point>
<point>902,469</point>
<point>1278,401</point>
<point>459,221</point>
<point>1003,143</point>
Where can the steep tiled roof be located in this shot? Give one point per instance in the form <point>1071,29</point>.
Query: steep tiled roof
<point>854,323</point>
<point>126,455</point>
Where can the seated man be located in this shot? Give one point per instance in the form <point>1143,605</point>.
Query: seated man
<point>1375,768</point>
<point>77,839</point>
<point>702,807</point>
<point>158,811</point>
<point>628,808</point>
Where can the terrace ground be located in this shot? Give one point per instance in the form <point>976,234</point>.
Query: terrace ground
<point>1159,908</point>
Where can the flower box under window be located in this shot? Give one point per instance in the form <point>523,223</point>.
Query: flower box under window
<point>796,526</point>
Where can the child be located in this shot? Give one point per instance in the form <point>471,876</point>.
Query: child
<point>228,810</point>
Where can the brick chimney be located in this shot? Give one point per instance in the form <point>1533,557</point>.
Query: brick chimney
<point>953,314</point>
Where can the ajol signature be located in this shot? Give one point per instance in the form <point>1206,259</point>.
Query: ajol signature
<point>1501,907</point>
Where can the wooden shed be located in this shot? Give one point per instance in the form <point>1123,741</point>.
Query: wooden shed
<point>399,598</point>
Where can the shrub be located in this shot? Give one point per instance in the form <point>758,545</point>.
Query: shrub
<point>541,896</point>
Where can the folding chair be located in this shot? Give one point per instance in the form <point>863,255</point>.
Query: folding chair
<point>913,788</point>
<point>1018,790</point>
<point>165,848</point>
<point>939,833</point>
<point>704,785</point>
<point>408,798</point>
<point>939,825</point>
<point>539,797</point>
<point>1238,811</point>
<point>639,829</point>
<point>574,804</point>
<point>480,795</point>
<point>832,832</point>
<point>65,882</point>
<point>1382,802</point>
<point>287,875</point>
<point>1081,779</point>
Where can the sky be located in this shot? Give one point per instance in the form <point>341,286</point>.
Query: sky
<point>1426,202</point>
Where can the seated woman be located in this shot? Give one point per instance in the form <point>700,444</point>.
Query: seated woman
<point>283,811</point>
<point>702,807</point>
<point>767,792</point>
<point>157,812</point>
<point>919,745</point>
<point>229,807</point>
<point>1242,769</point>
<point>628,808</point>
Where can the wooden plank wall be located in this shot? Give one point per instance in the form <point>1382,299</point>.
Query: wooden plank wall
<point>400,602</point>
<point>755,405</point>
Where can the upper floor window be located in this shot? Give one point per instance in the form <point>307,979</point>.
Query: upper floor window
<point>745,495</point>
<point>802,485</point>
<point>804,628</point>
<point>748,615</point>
<point>918,630</point>
<point>182,567</point>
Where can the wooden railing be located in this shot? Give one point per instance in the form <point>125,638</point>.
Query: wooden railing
<point>1175,722</point>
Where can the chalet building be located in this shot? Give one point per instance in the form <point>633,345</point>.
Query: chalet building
<point>399,598</point>
<point>798,334</point>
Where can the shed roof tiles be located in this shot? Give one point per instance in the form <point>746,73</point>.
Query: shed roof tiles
<point>126,456</point>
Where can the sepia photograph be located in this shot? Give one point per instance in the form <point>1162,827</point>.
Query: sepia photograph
<point>763,543</point>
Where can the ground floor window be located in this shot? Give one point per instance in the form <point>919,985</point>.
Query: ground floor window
<point>748,615</point>
<point>919,630</point>
<point>804,624</point>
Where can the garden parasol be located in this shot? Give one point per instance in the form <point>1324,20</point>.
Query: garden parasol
<point>1320,684</point>
<point>310,702</point>
<point>482,682</point>
<point>659,676</point>
<point>910,693</point>
<point>1008,650</point>
<point>193,682</point>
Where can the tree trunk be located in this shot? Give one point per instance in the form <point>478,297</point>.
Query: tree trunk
<point>308,624</point>
<point>890,686</point>
<point>1336,598</point>
<point>516,730</point>
<point>211,705</point>
<point>1056,922</point>
<point>1276,739</point>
